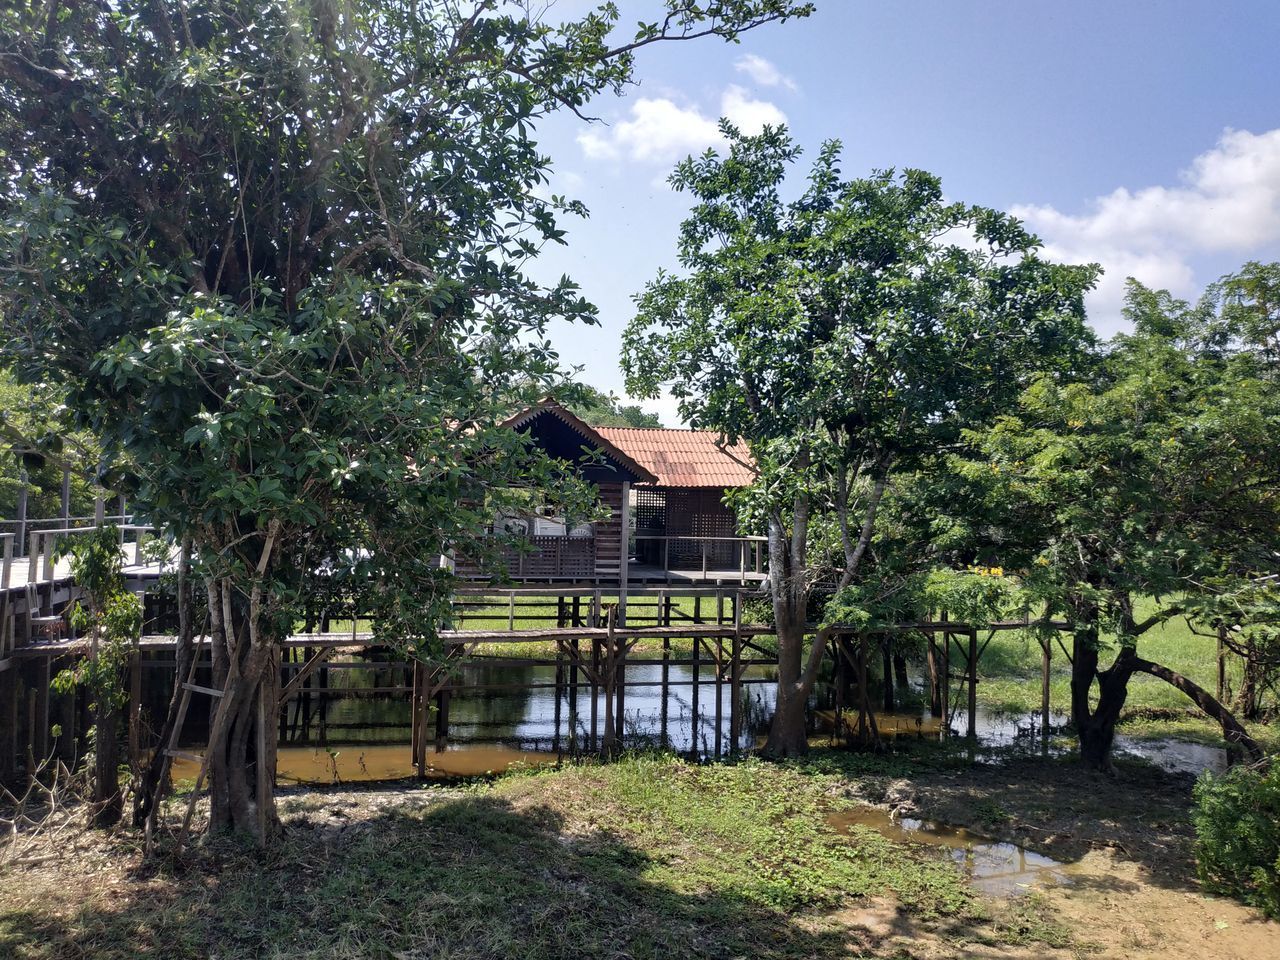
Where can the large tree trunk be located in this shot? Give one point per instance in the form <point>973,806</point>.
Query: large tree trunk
<point>1096,725</point>
<point>246,664</point>
<point>108,803</point>
<point>1232,731</point>
<point>788,736</point>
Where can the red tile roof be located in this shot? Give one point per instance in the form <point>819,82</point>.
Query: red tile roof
<point>683,458</point>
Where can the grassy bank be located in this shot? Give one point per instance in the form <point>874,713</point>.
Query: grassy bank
<point>650,857</point>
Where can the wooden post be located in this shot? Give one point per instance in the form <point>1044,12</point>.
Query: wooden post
<point>6,564</point>
<point>415,734</point>
<point>555,737</point>
<point>693,699</point>
<point>595,691</point>
<point>887,663</point>
<point>609,678</point>
<point>1046,661</point>
<point>840,647</point>
<point>704,559</point>
<point>945,665</point>
<point>43,707</point>
<point>135,711</point>
<point>932,658</point>
<point>575,666</point>
<point>973,682</point>
<point>735,695</point>
<point>666,690</point>
<point>20,513</point>
<point>1222,663</point>
<point>9,723</point>
<point>49,541</point>
<point>864,720</point>
<point>719,736</point>
<point>620,730</point>
<point>624,560</point>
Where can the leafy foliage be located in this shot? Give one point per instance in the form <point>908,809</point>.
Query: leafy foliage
<point>34,450</point>
<point>1237,822</point>
<point>601,409</point>
<point>848,336</point>
<point>277,251</point>
<point>110,615</point>
<point>1153,477</point>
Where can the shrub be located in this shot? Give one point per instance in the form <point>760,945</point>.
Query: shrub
<point>1237,823</point>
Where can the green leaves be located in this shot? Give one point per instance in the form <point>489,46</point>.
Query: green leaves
<point>850,334</point>
<point>1152,477</point>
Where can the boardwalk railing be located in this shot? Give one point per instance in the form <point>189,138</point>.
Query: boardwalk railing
<point>37,564</point>
<point>707,555</point>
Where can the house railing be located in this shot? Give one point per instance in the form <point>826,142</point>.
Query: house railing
<point>542,557</point>
<point>705,554</point>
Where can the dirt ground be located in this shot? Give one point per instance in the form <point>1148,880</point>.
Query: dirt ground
<point>1128,887</point>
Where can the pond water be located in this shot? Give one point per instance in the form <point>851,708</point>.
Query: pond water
<point>355,724</point>
<point>993,867</point>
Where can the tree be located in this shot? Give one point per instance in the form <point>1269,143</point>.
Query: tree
<point>847,336</point>
<point>35,453</point>
<point>601,409</point>
<point>276,249</point>
<point>1154,477</point>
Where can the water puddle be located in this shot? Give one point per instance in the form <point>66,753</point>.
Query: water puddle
<point>368,763</point>
<point>992,867</point>
<point>1176,756</point>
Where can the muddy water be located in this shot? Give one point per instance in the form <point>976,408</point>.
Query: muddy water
<point>993,867</point>
<point>513,711</point>
<point>371,762</point>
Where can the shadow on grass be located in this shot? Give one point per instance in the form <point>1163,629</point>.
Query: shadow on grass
<point>471,877</point>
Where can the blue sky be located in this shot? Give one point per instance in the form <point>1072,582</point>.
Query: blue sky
<point>1142,134</point>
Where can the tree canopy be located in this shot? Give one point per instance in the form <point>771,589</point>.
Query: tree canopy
<point>1154,476</point>
<point>276,251</point>
<point>602,409</point>
<point>847,335</point>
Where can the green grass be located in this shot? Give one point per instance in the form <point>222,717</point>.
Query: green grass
<point>647,858</point>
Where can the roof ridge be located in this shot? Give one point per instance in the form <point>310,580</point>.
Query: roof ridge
<point>658,429</point>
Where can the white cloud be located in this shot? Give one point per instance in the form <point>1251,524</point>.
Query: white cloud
<point>659,130</point>
<point>763,72</point>
<point>1228,201</point>
<point>749,116</point>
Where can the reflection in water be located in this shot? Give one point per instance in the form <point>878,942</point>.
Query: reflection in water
<point>357,707</point>
<point>999,869</point>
